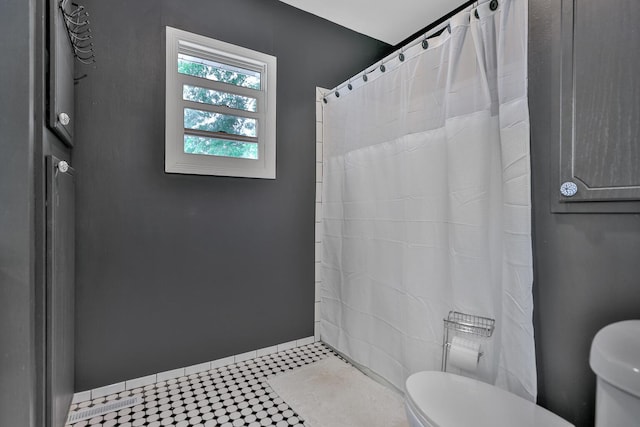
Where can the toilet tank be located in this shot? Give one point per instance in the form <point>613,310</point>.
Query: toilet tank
<point>615,359</point>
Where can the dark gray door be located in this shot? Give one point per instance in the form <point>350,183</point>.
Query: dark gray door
<point>600,101</point>
<point>60,290</point>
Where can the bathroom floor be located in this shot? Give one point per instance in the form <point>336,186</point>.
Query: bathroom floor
<point>231,396</point>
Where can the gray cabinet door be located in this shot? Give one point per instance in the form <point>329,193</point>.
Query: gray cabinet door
<point>600,101</point>
<point>61,75</point>
<point>60,291</point>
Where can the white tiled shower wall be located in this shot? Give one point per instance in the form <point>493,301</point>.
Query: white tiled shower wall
<point>318,223</point>
<point>175,373</point>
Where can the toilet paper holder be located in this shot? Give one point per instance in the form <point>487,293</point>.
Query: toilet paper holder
<point>458,323</point>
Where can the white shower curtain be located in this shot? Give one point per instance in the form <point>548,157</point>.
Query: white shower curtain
<point>426,203</point>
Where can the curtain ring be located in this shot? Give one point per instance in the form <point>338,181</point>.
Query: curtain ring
<point>382,68</point>
<point>425,44</point>
<point>364,77</point>
<point>493,5</point>
<point>401,57</point>
<point>349,86</point>
<point>476,14</point>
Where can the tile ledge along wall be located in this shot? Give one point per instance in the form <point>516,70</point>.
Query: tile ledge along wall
<point>84,396</point>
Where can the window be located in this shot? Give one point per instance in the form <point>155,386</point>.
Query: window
<point>220,108</point>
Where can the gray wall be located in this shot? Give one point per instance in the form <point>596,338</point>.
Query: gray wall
<point>173,270</point>
<point>17,252</point>
<point>587,266</point>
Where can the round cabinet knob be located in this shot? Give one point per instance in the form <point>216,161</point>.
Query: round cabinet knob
<point>568,189</point>
<point>64,118</point>
<point>63,166</point>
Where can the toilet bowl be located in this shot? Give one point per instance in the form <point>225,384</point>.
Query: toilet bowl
<point>442,399</point>
<point>615,358</point>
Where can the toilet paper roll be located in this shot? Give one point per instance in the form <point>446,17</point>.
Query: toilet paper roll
<point>464,354</point>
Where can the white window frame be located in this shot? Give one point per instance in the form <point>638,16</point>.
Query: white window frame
<point>176,160</point>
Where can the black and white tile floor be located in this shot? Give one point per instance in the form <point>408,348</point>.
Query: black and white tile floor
<point>231,396</point>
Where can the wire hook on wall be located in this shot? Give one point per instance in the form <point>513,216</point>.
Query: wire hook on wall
<point>76,19</point>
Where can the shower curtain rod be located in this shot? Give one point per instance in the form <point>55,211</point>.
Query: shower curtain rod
<point>421,36</point>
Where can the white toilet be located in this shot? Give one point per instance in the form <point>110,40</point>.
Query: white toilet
<point>615,358</point>
<point>442,399</point>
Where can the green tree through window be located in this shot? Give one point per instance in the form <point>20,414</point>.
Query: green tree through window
<point>222,123</point>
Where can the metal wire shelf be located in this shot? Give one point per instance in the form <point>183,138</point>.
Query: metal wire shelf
<point>470,324</point>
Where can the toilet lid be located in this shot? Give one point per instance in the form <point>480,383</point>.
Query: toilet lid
<point>448,400</point>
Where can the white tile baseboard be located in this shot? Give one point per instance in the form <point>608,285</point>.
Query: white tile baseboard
<point>169,375</point>
<point>196,369</point>
<point>305,341</point>
<point>140,382</point>
<point>84,396</point>
<point>245,356</point>
<point>107,390</point>
<point>222,362</point>
<point>81,396</point>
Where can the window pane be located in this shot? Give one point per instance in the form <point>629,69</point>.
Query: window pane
<point>214,97</point>
<point>211,70</point>
<point>220,147</point>
<point>216,122</point>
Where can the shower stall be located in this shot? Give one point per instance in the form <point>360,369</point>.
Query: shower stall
<point>426,201</point>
